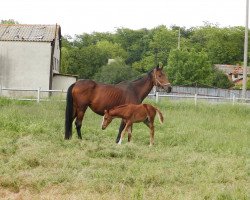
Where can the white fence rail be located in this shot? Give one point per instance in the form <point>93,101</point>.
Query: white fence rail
<point>36,94</point>
<point>44,95</point>
<point>157,96</point>
<point>205,94</point>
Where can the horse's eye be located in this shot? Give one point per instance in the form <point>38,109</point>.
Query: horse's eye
<point>159,76</point>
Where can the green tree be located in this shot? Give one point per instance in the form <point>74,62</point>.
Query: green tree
<point>145,64</point>
<point>163,41</point>
<point>115,72</point>
<point>9,21</point>
<point>85,54</point>
<point>223,45</point>
<point>65,57</point>
<point>85,39</point>
<point>85,62</point>
<point>221,80</point>
<point>189,68</point>
<point>135,42</point>
<point>113,50</point>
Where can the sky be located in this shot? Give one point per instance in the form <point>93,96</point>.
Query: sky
<point>88,16</point>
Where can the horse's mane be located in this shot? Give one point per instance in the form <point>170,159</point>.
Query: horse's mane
<point>143,76</point>
<point>148,73</point>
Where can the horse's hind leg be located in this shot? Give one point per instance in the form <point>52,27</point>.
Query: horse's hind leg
<point>78,121</point>
<point>129,133</point>
<point>122,126</point>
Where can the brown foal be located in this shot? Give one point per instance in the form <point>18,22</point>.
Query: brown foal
<point>132,113</point>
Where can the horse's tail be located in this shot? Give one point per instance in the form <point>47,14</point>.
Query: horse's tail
<point>160,115</point>
<point>69,113</point>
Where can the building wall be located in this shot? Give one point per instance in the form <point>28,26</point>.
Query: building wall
<point>56,56</point>
<point>62,82</point>
<point>25,65</point>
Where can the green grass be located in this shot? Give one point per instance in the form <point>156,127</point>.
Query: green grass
<point>199,153</point>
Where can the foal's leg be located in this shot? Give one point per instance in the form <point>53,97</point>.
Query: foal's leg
<point>78,121</point>
<point>146,122</point>
<point>152,129</point>
<point>150,124</point>
<point>152,133</point>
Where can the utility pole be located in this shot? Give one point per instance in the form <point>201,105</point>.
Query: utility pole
<point>179,38</point>
<point>156,56</point>
<point>244,83</point>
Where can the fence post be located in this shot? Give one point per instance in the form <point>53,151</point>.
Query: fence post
<point>38,95</point>
<point>195,99</point>
<point>233,99</point>
<point>61,96</point>
<point>154,90</point>
<point>157,97</point>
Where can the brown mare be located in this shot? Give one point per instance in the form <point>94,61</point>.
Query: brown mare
<point>131,113</point>
<point>100,97</point>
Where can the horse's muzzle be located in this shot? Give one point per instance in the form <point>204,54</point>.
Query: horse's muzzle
<point>167,88</point>
<point>103,127</point>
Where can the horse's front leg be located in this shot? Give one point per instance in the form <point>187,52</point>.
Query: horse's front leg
<point>122,125</point>
<point>123,132</point>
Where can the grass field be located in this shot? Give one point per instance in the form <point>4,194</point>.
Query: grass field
<point>200,152</point>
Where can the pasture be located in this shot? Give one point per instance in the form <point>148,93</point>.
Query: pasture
<point>200,152</point>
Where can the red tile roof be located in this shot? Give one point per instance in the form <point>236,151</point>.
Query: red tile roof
<point>232,69</point>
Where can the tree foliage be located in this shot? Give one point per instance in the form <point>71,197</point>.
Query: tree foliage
<point>9,21</point>
<point>115,72</point>
<point>223,45</point>
<point>86,55</point>
<point>189,68</point>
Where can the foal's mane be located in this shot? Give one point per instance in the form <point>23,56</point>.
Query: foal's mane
<point>121,106</point>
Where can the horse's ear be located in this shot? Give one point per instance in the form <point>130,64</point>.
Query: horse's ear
<point>105,111</point>
<point>160,65</point>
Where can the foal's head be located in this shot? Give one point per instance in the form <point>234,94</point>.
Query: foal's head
<point>160,79</point>
<point>106,119</point>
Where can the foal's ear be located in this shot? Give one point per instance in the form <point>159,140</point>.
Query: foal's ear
<point>105,111</point>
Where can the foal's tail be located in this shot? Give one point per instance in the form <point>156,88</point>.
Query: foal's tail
<point>69,113</point>
<point>160,116</point>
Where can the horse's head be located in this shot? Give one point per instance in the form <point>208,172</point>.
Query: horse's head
<point>106,119</point>
<point>160,79</point>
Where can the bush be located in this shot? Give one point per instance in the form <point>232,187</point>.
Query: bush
<point>221,80</point>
